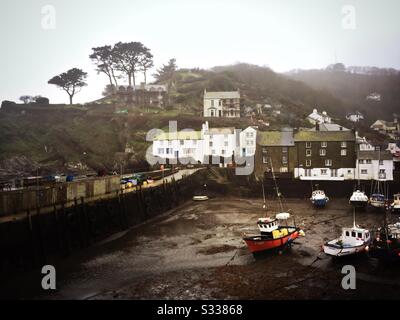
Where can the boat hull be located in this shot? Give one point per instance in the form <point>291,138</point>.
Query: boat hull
<point>337,251</point>
<point>358,203</point>
<point>263,243</point>
<point>319,203</point>
<point>377,204</point>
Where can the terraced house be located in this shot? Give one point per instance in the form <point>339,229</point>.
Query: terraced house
<point>276,153</point>
<point>325,155</point>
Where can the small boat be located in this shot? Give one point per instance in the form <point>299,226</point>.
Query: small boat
<point>358,199</point>
<point>377,200</point>
<point>273,235</point>
<point>353,240</point>
<point>395,205</point>
<point>386,245</point>
<point>200,198</point>
<point>319,199</point>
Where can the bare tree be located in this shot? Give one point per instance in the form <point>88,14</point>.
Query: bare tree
<point>26,99</point>
<point>104,59</point>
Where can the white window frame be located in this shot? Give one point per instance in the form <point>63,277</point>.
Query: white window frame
<point>324,144</point>
<point>328,163</point>
<point>308,152</point>
<point>322,152</point>
<point>343,152</point>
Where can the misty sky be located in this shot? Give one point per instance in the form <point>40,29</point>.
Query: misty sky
<point>283,34</point>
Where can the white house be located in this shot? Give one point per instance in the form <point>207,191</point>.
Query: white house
<point>316,117</point>
<point>355,116</point>
<point>188,146</point>
<point>374,165</point>
<point>363,144</point>
<point>222,104</point>
<point>246,147</point>
<point>219,142</point>
<point>185,144</point>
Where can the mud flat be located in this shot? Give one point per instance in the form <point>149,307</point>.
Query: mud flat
<point>196,251</point>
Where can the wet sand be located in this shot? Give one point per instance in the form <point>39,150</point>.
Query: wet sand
<point>196,252</point>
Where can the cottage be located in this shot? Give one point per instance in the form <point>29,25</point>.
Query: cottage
<point>325,155</point>
<point>316,117</point>
<point>222,104</point>
<point>374,165</point>
<point>355,116</point>
<point>275,150</point>
<point>246,146</point>
<point>185,144</point>
<point>144,94</point>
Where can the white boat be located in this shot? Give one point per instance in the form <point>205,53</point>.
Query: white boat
<point>353,240</point>
<point>200,198</point>
<point>319,199</point>
<point>396,203</point>
<point>359,199</point>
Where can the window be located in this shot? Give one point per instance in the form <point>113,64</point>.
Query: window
<point>213,151</point>
<point>308,144</point>
<point>364,171</point>
<point>182,142</point>
<point>161,151</point>
<point>334,173</point>
<point>264,150</point>
<point>324,144</point>
<point>265,159</point>
<point>347,233</point>
<point>223,151</point>
<point>343,152</point>
<point>212,113</point>
<point>308,152</point>
<point>382,171</point>
<point>328,163</point>
<point>349,171</point>
<point>353,234</point>
<point>225,143</point>
<point>308,172</point>
<point>360,161</point>
<point>324,172</point>
<point>308,163</point>
<point>211,144</point>
<point>381,162</point>
<point>284,149</point>
<point>283,169</point>
<point>284,160</point>
<point>169,150</point>
<point>161,142</point>
<point>212,103</point>
<point>343,144</point>
<point>359,235</point>
<point>322,152</point>
<point>368,161</point>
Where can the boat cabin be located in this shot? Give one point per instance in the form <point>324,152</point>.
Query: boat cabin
<point>352,234</point>
<point>396,198</point>
<point>318,193</point>
<point>267,224</point>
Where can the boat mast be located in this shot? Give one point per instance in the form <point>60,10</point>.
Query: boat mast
<point>278,194</point>
<point>263,191</point>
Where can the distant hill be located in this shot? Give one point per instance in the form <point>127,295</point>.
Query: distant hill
<point>353,84</point>
<point>257,85</point>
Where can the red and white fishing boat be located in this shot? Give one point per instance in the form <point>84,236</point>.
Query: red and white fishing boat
<point>275,233</point>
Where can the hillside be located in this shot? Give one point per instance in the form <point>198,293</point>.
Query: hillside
<point>354,84</point>
<point>95,136</point>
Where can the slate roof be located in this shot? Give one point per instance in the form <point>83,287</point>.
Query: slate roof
<point>181,135</point>
<point>275,138</point>
<point>324,136</point>
<point>222,95</point>
<point>374,155</point>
